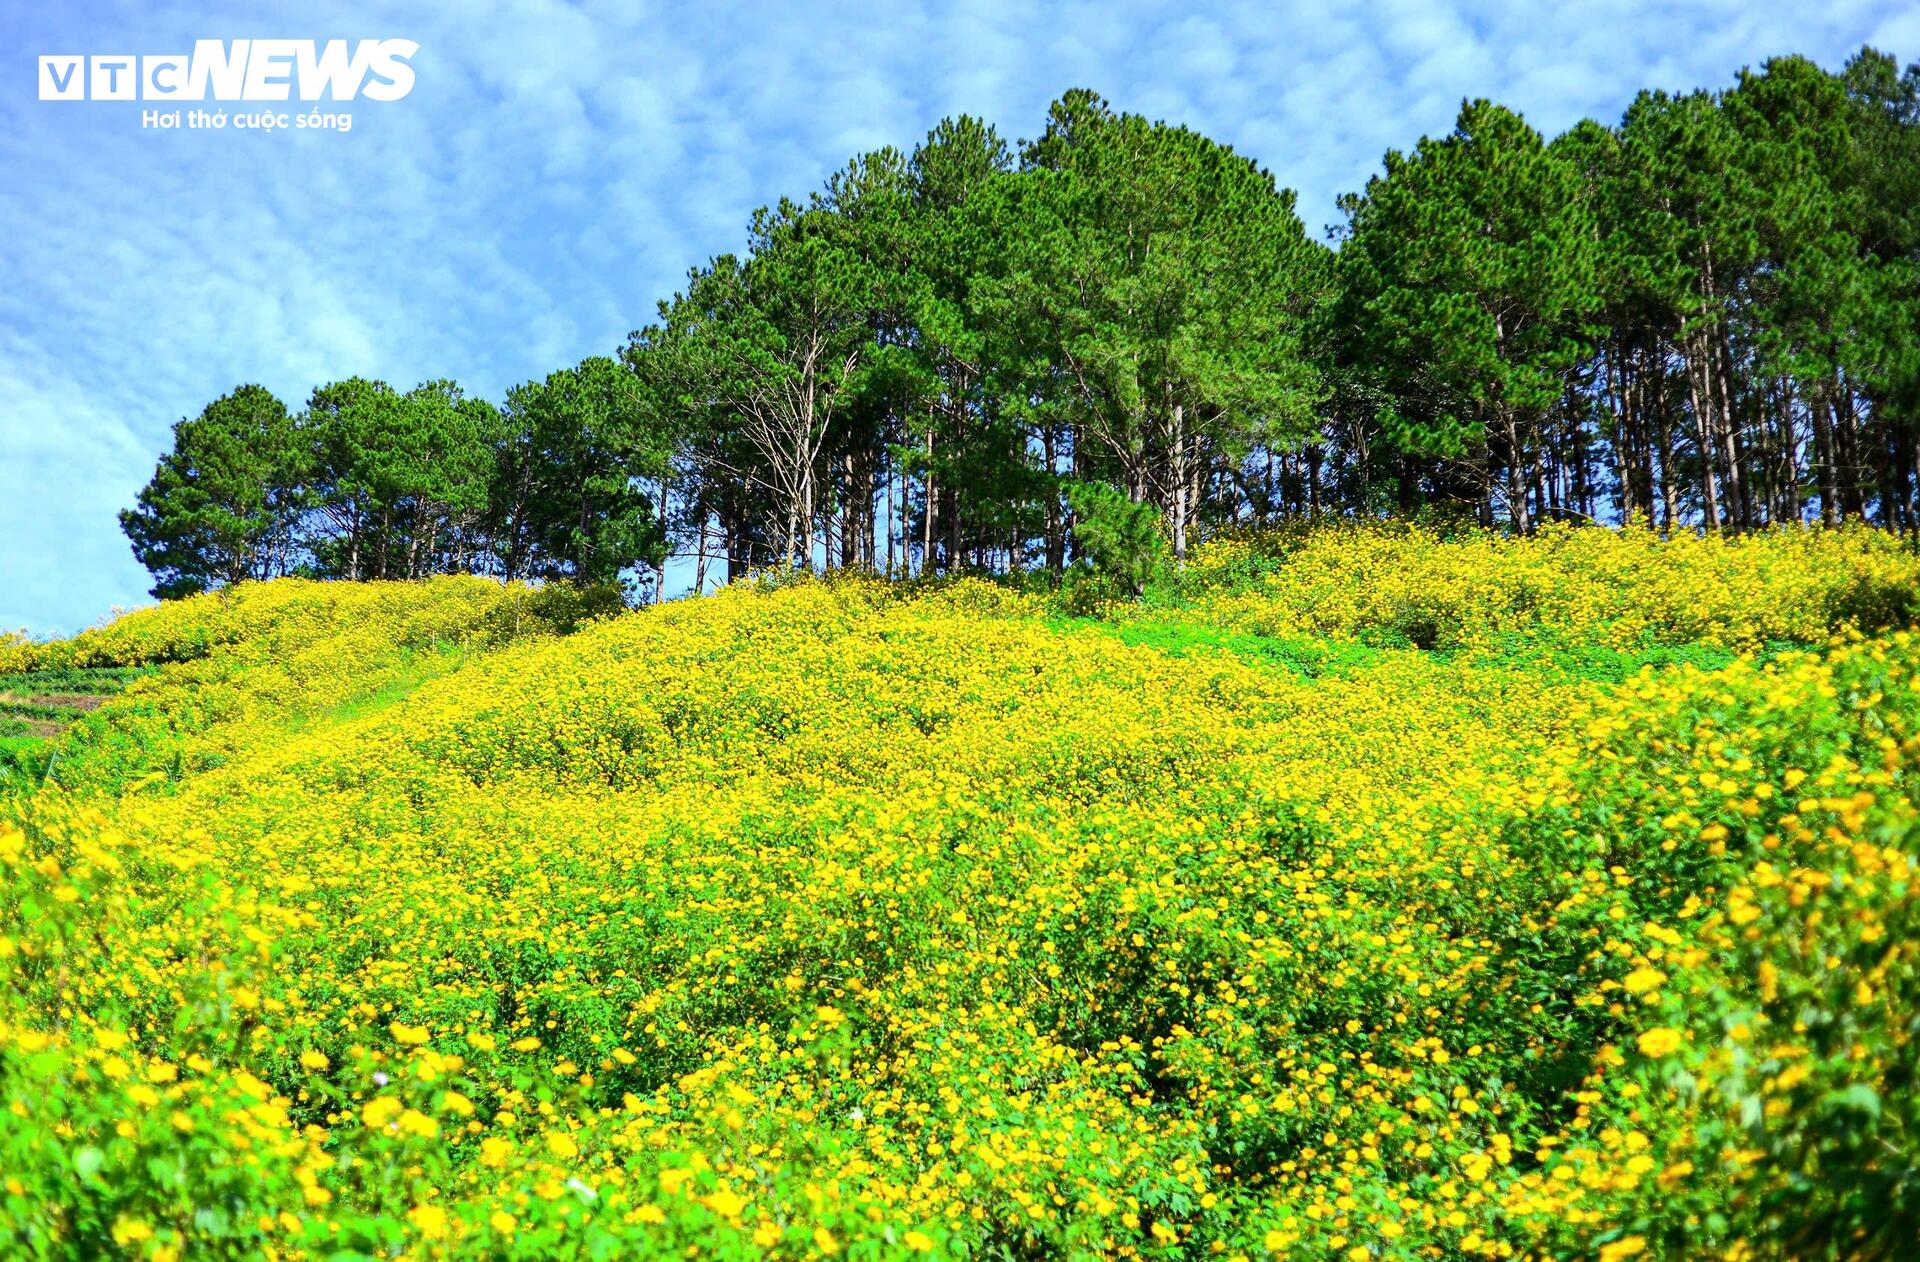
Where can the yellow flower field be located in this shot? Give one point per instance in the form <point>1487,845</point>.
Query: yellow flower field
<point>1378,897</point>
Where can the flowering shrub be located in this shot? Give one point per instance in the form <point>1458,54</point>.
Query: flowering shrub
<point>828,918</point>
<point>1615,588</point>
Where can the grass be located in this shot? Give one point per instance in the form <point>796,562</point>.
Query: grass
<point>1310,659</point>
<point>91,681</point>
<point>416,667</point>
<point>37,706</point>
<point>1553,657</point>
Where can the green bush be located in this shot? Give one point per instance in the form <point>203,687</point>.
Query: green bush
<point>1122,540</point>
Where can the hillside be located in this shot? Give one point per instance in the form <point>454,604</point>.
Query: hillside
<point>1367,895</point>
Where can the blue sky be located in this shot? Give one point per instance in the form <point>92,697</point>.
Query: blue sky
<point>558,167</point>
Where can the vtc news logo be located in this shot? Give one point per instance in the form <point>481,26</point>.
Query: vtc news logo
<point>238,70</point>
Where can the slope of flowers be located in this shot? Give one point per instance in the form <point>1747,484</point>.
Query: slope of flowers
<point>834,919</point>
<point>245,660</point>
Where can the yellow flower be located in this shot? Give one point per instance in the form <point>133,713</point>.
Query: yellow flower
<point>128,1231</point>
<point>429,1220</point>
<point>918,1241</point>
<point>414,1122</point>
<point>1660,1041</point>
<point>314,1060</point>
<point>379,1111</point>
<point>252,1087</point>
<point>1642,980</point>
<point>562,1145</point>
<point>726,1203</point>
<point>410,1035</point>
<point>502,1222</point>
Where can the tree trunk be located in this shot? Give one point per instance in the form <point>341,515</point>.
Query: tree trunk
<point>1703,421</point>
<point>1820,408</point>
<point>1847,427</point>
<point>1179,477</point>
<point>1516,474</point>
<point>1668,491</point>
<point>1739,507</point>
<point>1056,523</point>
<point>926,546</point>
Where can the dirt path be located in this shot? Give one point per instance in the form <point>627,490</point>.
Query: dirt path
<point>83,701</point>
